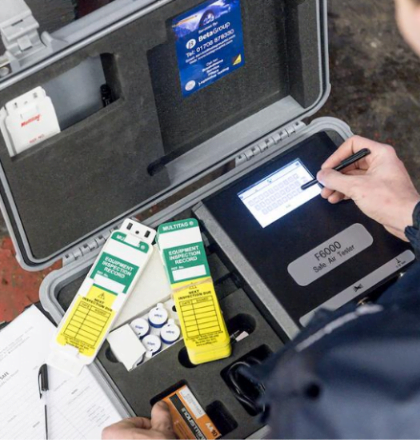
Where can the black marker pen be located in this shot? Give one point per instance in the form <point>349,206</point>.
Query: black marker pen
<point>347,162</point>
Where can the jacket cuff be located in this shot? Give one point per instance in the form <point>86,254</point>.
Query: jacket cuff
<point>413,232</point>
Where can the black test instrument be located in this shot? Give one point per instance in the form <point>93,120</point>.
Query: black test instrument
<point>306,252</point>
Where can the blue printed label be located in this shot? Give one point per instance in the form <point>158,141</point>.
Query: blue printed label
<point>209,43</point>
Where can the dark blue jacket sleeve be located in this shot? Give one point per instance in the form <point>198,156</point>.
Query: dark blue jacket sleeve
<point>413,232</point>
<point>350,345</point>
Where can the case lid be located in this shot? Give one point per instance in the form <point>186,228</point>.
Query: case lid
<point>189,85</point>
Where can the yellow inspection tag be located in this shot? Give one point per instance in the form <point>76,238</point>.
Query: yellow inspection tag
<point>89,320</point>
<point>202,324</point>
<point>203,327</point>
<point>101,297</point>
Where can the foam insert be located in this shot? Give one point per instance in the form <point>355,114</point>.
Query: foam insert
<point>280,60</point>
<point>171,367</point>
<point>97,169</point>
<point>165,370</point>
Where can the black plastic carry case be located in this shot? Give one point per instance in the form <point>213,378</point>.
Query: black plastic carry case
<point>159,155</point>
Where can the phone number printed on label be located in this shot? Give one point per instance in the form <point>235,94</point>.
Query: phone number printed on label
<point>209,43</point>
<point>329,255</point>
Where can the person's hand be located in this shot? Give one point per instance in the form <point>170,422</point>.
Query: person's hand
<point>159,427</point>
<point>379,184</point>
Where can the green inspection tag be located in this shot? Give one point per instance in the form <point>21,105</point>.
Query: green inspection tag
<point>121,238</point>
<point>177,226</point>
<point>189,260</point>
<point>115,268</point>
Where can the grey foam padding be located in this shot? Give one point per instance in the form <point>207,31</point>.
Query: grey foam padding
<point>67,292</point>
<point>152,378</point>
<point>73,104</point>
<point>303,56</point>
<point>96,170</point>
<point>280,59</point>
<point>218,269</point>
<point>225,287</point>
<point>140,386</point>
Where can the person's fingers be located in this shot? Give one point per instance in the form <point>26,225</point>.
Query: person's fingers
<point>337,197</point>
<point>162,420</point>
<point>139,422</point>
<point>117,431</point>
<point>327,193</point>
<point>108,433</point>
<point>336,181</point>
<point>356,173</point>
<point>126,429</point>
<point>350,147</point>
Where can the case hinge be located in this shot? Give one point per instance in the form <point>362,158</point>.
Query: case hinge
<point>268,142</point>
<point>88,247</point>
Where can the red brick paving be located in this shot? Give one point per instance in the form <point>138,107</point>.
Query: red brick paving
<point>18,288</point>
<point>85,7</point>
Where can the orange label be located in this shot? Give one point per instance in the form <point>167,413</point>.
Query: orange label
<point>189,419</point>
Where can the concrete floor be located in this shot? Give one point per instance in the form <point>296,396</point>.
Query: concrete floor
<point>375,77</point>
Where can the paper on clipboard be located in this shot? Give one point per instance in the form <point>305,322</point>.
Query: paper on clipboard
<point>77,408</point>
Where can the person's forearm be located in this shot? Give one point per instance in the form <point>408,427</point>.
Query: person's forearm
<point>413,232</point>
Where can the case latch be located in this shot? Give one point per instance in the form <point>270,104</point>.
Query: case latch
<point>19,33</point>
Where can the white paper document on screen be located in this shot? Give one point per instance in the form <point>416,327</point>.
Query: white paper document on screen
<point>279,194</point>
